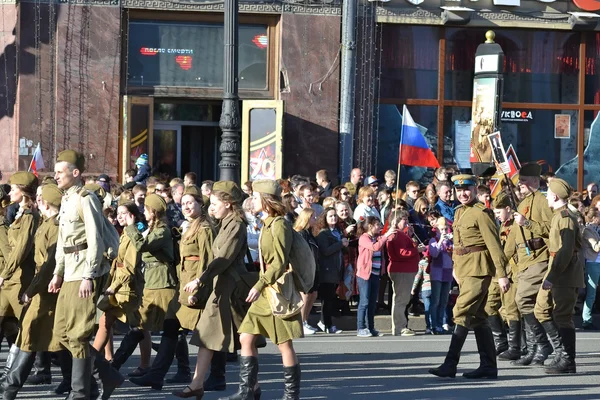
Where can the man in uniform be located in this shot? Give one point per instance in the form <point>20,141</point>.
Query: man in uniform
<point>78,277</point>
<point>478,258</point>
<point>504,214</point>
<point>557,297</point>
<point>529,244</point>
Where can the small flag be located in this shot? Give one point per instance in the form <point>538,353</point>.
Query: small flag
<point>38,161</point>
<point>414,150</point>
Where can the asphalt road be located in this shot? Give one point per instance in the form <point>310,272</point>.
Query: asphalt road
<point>346,367</point>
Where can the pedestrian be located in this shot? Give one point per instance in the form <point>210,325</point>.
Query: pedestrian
<point>215,332</point>
<point>441,266</point>
<point>591,249</point>
<point>38,321</point>
<point>80,273</point>
<point>558,294</point>
<point>275,245</point>
<point>478,258</point>
<point>368,271</point>
<point>196,254</point>
<point>331,242</point>
<point>404,259</point>
<point>160,281</point>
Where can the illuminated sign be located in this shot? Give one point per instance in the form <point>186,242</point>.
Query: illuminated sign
<point>152,51</point>
<point>588,5</point>
<point>261,41</point>
<point>185,62</point>
<point>516,116</point>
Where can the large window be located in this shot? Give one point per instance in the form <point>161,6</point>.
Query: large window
<point>187,54</point>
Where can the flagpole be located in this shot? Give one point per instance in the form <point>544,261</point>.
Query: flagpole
<point>399,160</point>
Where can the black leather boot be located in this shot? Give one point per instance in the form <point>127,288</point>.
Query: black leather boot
<point>530,338</point>
<point>12,354</point>
<point>514,342</point>
<point>182,355</point>
<point>128,345</point>
<point>15,379</point>
<point>448,368</point>
<point>110,377</point>
<point>216,379</point>
<point>499,332</point>
<point>291,376</point>
<point>248,379</point>
<point>566,362</point>
<point>543,347</point>
<point>81,376</point>
<point>487,355</point>
<point>160,366</point>
<point>65,362</point>
<point>552,332</point>
<point>41,368</point>
<point>523,339</point>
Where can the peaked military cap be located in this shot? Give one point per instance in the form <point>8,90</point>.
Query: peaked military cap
<point>464,180</point>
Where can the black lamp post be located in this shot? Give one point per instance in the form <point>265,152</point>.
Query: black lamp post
<point>230,148</point>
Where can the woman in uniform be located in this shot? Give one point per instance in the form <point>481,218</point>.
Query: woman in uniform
<point>38,321</point>
<point>275,245</point>
<point>160,277</point>
<point>123,291</point>
<point>196,254</point>
<point>217,329</point>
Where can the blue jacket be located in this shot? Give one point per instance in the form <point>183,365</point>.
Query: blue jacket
<point>446,210</point>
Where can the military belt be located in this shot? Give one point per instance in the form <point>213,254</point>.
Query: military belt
<point>191,258</point>
<point>153,264</point>
<point>461,251</point>
<point>75,249</point>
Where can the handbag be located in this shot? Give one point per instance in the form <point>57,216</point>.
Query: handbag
<point>283,296</point>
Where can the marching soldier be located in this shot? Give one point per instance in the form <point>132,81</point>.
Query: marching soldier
<point>38,319</point>
<point>529,244</point>
<point>79,277</point>
<point>502,211</point>
<point>477,250</point>
<point>557,297</point>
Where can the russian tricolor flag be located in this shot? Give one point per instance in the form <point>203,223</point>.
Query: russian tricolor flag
<point>37,162</point>
<point>414,150</point>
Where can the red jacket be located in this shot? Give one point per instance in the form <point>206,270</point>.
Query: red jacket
<point>403,255</point>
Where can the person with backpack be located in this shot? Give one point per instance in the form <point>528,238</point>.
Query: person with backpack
<point>216,331</point>
<point>275,246</point>
<point>331,241</point>
<point>80,273</point>
<point>304,225</point>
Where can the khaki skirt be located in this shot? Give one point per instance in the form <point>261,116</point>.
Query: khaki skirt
<point>155,304</point>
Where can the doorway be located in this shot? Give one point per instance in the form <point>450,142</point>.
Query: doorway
<point>184,146</point>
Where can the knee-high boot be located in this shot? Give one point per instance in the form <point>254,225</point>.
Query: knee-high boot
<point>128,345</point>
<point>160,366</point>
<point>514,342</point>
<point>12,354</point>
<point>183,374</point>
<point>291,376</point>
<point>15,379</point>
<point>248,380</point>
<point>488,368</point>
<point>110,377</point>
<point>65,362</point>
<point>566,361</point>
<point>81,377</point>
<point>216,380</point>
<point>499,333</point>
<point>41,367</point>
<point>448,368</point>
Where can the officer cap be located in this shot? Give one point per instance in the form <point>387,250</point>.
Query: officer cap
<point>192,190</point>
<point>267,186</point>
<point>26,179</point>
<point>51,194</point>
<point>156,202</point>
<point>229,187</point>
<point>531,169</point>
<point>560,188</point>
<point>97,190</point>
<point>501,201</point>
<point>72,157</point>
<point>464,180</point>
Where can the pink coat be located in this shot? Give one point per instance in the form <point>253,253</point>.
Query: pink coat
<point>366,248</point>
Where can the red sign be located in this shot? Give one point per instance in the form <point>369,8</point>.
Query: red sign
<point>148,51</point>
<point>588,5</point>
<point>185,62</point>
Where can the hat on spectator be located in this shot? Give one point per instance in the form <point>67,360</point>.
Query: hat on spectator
<point>229,187</point>
<point>267,186</point>
<point>560,188</point>
<point>103,178</point>
<point>142,160</point>
<point>156,202</point>
<point>52,195</point>
<point>370,180</point>
<point>72,157</point>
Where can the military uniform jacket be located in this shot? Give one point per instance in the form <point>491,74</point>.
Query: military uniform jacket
<point>73,231</point>
<point>19,265</point>
<point>4,247</point>
<point>44,256</point>
<point>157,254</point>
<point>126,278</point>
<point>474,226</point>
<point>505,230</point>
<point>275,245</point>
<point>535,208</point>
<point>200,246</point>
<point>565,243</point>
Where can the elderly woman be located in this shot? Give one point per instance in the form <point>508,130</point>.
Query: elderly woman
<point>366,204</point>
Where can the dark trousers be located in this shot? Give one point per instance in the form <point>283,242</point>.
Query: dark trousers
<point>328,299</point>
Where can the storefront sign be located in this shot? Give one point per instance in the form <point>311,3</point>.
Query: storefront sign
<point>516,116</point>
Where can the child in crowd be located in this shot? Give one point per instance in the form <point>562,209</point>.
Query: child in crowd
<point>440,251</point>
<point>423,277</point>
<point>368,273</point>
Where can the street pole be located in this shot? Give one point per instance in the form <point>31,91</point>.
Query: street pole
<point>229,123</point>
<point>349,10</point>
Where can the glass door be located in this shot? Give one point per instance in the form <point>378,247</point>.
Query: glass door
<point>166,150</point>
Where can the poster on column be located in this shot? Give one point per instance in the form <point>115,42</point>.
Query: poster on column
<point>483,115</point>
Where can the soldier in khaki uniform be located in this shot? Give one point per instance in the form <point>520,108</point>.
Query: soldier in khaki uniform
<point>38,321</point>
<point>196,254</point>
<point>558,294</point>
<point>478,258</point>
<point>534,216</point>
<point>504,214</point>
<point>79,276</point>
